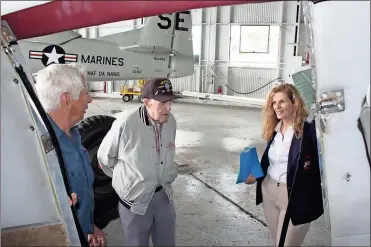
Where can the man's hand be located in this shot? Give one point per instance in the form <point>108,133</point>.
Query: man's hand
<point>74,199</point>
<point>90,239</point>
<point>250,180</point>
<point>97,238</point>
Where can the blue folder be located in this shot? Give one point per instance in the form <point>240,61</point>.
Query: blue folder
<point>249,164</point>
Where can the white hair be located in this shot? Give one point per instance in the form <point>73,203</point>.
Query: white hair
<point>56,79</point>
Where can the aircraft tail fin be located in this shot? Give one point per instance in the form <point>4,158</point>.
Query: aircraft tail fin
<point>168,33</point>
<point>173,31</point>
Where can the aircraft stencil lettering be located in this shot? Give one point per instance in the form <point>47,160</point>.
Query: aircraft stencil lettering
<point>53,54</point>
<point>103,73</point>
<point>136,70</point>
<point>113,73</point>
<point>102,60</point>
<point>178,20</point>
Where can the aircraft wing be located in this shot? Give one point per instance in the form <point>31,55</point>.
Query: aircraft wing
<point>57,16</point>
<point>13,6</point>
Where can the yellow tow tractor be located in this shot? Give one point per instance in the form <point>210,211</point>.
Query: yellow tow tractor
<point>128,92</point>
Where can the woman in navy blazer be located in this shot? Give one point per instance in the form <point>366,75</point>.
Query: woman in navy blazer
<point>288,132</point>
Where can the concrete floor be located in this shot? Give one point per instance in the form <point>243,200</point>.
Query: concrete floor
<point>212,210</point>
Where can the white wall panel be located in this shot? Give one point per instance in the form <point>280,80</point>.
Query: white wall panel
<point>118,24</point>
<point>83,32</point>
<point>96,86</point>
<point>115,27</point>
<point>209,33</point>
<point>197,41</point>
<point>244,80</point>
<point>221,78</point>
<point>205,42</point>
<point>303,42</point>
<point>222,42</point>
<point>270,12</point>
<point>196,16</point>
<point>291,7</point>
<point>189,83</point>
<point>92,32</point>
<point>209,42</point>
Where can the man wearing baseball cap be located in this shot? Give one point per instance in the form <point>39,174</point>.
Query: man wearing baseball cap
<point>138,153</point>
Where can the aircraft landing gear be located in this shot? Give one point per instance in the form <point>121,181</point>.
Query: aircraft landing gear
<point>93,130</point>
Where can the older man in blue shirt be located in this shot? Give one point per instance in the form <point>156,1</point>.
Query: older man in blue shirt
<point>63,92</point>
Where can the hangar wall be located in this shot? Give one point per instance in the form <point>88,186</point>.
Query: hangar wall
<point>241,48</point>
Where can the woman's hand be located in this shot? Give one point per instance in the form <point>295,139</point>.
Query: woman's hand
<point>250,180</point>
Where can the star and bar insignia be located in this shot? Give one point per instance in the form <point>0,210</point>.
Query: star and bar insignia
<point>53,54</point>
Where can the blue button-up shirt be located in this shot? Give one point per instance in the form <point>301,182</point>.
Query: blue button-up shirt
<point>80,174</point>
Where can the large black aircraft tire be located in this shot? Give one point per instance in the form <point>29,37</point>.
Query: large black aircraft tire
<point>93,130</point>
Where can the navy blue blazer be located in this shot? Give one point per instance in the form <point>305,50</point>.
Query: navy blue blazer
<point>306,198</point>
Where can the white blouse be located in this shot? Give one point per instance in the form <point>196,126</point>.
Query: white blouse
<point>278,154</point>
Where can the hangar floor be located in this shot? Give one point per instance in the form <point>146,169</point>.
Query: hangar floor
<point>211,209</point>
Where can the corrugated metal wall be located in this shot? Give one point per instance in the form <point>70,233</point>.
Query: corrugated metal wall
<point>258,13</point>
